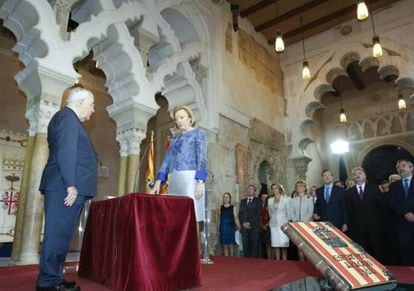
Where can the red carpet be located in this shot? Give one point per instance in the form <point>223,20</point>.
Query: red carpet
<point>224,274</point>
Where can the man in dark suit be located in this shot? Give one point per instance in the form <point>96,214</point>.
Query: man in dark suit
<point>68,180</point>
<point>249,217</point>
<point>401,198</point>
<point>364,210</point>
<point>330,203</point>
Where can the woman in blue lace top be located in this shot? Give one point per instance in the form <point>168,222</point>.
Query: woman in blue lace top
<point>185,163</point>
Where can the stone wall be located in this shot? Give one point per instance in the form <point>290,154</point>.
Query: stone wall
<point>253,81</point>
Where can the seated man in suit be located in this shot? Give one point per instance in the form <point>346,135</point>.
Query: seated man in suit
<point>68,180</point>
<point>249,217</point>
<point>330,203</point>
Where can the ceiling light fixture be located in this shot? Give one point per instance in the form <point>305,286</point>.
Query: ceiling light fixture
<point>376,48</point>
<point>401,102</point>
<point>342,115</point>
<point>279,43</point>
<point>362,10</point>
<point>305,69</point>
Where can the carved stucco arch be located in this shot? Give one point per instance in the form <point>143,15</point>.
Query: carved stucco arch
<point>303,144</point>
<point>261,156</point>
<point>364,151</point>
<point>306,125</point>
<point>334,63</point>
<point>312,107</point>
<point>22,19</point>
<point>192,63</point>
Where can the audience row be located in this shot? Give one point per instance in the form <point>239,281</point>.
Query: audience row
<point>379,218</point>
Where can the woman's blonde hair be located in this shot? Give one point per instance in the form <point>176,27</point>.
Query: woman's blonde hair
<point>303,183</point>
<point>280,187</point>
<point>186,109</point>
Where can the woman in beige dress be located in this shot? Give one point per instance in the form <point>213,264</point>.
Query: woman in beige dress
<point>301,207</point>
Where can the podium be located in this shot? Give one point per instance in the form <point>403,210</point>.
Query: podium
<point>141,242</point>
<point>344,263</point>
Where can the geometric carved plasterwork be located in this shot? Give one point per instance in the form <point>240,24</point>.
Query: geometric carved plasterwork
<point>379,126</point>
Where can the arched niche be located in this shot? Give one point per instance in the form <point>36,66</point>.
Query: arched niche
<point>265,174</point>
<point>379,163</point>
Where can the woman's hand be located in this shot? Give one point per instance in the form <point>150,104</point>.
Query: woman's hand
<point>199,191</point>
<point>156,189</point>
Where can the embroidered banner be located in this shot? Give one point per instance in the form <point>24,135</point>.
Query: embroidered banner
<point>12,154</point>
<point>342,261</point>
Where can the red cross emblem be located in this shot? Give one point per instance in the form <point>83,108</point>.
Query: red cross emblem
<point>10,201</point>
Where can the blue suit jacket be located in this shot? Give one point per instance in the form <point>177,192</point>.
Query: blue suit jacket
<point>334,210</point>
<point>401,206</point>
<point>72,158</point>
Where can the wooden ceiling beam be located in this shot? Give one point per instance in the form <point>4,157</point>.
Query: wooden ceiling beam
<point>292,13</point>
<point>320,21</point>
<point>258,6</point>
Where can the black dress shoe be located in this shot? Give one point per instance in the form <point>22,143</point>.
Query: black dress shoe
<point>61,287</point>
<point>39,288</point>
<point>68,284</point>
<point>71,286</point>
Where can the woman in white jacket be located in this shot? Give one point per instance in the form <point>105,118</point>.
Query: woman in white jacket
<point>278,207</point>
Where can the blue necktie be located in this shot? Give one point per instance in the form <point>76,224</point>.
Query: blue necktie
<point>327,194</point>
<point>406,186</point>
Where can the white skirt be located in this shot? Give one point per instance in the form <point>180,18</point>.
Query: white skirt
<point>183,183</point>
<point>278,238</point>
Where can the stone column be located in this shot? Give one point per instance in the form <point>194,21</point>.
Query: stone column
<point>123,163</point>
<point>131,119</point>
<point>40,110</point>
<point>22,199</point>
<point>122,176</point>
<point>33,211</point>
<point>131,140</point>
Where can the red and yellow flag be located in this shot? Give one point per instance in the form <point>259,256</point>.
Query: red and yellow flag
<point>164,187</point>
<point>150,166</point>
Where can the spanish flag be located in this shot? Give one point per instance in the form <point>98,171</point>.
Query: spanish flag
<point>150,166</point>
<point>164,187</point>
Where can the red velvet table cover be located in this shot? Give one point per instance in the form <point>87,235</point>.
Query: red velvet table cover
<point>141,242</point>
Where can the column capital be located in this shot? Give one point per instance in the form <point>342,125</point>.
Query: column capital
<point>41,107</point>
<point>131,120</point>
<point>130,141</point>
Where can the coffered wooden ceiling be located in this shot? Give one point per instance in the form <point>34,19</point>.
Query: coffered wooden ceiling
<point>267,16</point>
